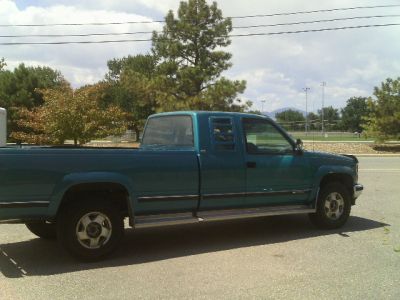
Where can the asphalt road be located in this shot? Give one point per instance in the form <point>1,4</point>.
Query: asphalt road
<point>276,257</point>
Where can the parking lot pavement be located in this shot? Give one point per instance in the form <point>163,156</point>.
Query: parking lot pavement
<point>275,257</point>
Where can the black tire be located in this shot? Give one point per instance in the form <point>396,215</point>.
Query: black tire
<point>43,229</point>
<point>70,224</point>
<point>326,217</point>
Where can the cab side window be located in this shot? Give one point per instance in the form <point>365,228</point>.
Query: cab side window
<point>222,133</point>
<point>263,137</point>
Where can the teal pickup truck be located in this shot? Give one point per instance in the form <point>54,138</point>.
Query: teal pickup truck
<point>191,167</point>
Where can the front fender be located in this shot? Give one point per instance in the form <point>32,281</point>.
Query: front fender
<point>73,179</point>
<point>327,170</point>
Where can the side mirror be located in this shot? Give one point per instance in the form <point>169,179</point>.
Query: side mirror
<point>299,146</point>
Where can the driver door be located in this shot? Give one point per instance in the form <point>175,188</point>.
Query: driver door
<point>275,173</point>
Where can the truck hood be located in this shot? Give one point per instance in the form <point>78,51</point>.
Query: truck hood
<point>345,159</point>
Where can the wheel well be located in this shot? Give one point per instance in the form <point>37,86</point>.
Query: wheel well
<point>344,179</point>
<point>108,191</point>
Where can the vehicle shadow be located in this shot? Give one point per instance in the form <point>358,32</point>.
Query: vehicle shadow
<point>38,257</point>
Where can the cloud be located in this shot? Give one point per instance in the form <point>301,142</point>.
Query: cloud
<point>276,68</point>
<point>81,64</point>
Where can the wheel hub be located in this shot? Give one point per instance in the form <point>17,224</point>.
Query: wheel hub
<point>334,206</point>
<point>93,230</point>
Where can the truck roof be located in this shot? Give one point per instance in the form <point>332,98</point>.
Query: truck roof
<point>210,113</point>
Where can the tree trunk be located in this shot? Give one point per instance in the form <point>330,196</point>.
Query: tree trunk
<point>137,134</point>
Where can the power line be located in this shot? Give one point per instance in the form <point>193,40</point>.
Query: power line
<point>313,11</point>
<point>74,42</point>
<point>234,17</point>
<point>232,35</point>
<point>234,27</point>
<point>81,24</point>
<point>315,21</point>
<point>75,35</point>
<point>314,30</point>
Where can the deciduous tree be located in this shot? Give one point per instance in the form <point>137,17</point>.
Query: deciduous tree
<point>353,113</point>
<point>19,89</point>
<point>290,115</point>
<point>68,114</point>
<point>331,117</point>
<point>384,119</point>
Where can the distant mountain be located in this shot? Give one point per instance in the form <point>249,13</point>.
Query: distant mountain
<point>274,112</point>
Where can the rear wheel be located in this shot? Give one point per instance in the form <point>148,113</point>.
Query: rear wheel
<point>333,206</point>
<point>43,229</point>
<point>90,231</point>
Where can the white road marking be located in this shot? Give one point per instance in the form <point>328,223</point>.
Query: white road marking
<point>390,170</point>
<point>13,262</point>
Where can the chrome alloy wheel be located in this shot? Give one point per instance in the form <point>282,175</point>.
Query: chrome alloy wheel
<point>334,206</point>
<point>93,230</point>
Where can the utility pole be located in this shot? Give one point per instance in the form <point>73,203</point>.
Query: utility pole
<point>262,105</point>
<point>323,84</point>
<point>306,89</point>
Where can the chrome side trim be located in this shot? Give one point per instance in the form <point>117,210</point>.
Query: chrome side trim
<point>358,188</point>
<point>221,195</point>
<point>224,195</point>
<point>11,221</point>
<point>219,215</point>
<point>256,194</point>
<point>24,204</point>
<point>164,220</point>
<point>254,212</point>
<point>168,198</point>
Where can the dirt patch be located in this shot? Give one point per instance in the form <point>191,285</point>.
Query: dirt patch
<point>353,148</point>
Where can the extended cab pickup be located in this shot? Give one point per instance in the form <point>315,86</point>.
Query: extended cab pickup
<point>190,167</point>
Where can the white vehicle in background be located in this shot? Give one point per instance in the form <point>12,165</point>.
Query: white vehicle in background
<point>3,127</point>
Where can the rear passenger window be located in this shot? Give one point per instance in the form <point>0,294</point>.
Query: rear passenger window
<point>222,134</point>
<point>169,131</point>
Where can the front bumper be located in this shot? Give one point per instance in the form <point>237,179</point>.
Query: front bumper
<point>357,190</point>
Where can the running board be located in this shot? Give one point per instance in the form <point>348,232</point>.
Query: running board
<point>219,215</point>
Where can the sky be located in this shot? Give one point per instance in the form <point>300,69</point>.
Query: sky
<point>277,68</point>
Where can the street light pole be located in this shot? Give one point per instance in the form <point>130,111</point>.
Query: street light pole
<point>323,84</point>
<point>306,89</point>
<point>262,105</point>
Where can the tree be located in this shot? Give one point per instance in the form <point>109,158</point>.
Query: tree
<point>2,63</point>
<point>131,87</point>
<point>314,120</point>
<point>384,117</point>
<point>331,117</point>
<point>191,60</point>
<point>289,116</point>
<point>19,88</point>
<point>291,119</point>
<point>254,111</point>
<point>353,114</point>
<point>68,114</point>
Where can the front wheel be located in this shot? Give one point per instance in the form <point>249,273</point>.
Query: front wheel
<point>333,206</point>
<point>90,231</point>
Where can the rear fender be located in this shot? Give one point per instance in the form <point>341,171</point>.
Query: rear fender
<point>73,179</point>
